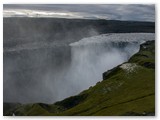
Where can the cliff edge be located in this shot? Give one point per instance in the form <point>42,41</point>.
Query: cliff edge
<point>128,90</point>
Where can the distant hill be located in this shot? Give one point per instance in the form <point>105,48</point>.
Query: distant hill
<point>19,30</point>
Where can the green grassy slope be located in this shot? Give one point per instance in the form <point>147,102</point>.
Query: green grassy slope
<point>128,89</point>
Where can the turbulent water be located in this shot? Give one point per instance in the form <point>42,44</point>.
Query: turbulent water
<point>51,72</point>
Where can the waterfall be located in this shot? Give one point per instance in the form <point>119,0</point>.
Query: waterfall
<point>92,56</point>
<point>54,73</point>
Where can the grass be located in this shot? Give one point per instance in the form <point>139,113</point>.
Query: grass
<point>122,90</point>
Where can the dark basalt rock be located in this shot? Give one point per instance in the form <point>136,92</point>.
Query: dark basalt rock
<point>72,101</point>
<point>110,72</point>
<point>149,65</point>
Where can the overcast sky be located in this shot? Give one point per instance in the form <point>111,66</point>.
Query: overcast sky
<point>134,12</point>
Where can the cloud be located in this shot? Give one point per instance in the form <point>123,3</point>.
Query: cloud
<point>135,12</point>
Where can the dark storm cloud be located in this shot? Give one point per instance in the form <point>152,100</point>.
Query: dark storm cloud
<point>136,12</point>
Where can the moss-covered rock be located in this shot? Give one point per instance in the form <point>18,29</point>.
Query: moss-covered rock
<point>146,55</point>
